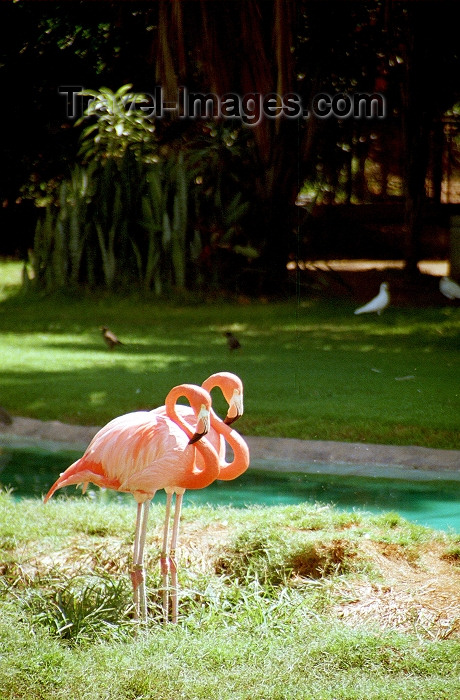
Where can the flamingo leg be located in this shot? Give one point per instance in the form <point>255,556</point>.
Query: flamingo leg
<point>138,573</point>
<point>143,600</point>
<point>164,561</point>
<point>134,571</point>
<point>172,556</point>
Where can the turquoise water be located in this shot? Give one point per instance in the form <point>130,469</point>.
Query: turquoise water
<point>30,471</point>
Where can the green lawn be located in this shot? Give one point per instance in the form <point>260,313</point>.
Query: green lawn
<point>311,369</point>
<point>284,603</point>
<point>263,597</point>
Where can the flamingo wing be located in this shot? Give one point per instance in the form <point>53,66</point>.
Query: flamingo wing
<point>136,453</point>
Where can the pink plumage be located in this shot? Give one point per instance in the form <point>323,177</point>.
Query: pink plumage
<point>136,453</point>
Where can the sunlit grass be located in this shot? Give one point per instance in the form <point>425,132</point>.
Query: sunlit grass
<point>262,594</point>
<point>311,369</point>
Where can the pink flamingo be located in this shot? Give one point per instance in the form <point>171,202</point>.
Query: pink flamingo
<point>220,432</point>
<point>142,452</point>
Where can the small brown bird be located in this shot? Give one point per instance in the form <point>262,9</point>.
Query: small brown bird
<point>109,337</point>
<point>232,342</point>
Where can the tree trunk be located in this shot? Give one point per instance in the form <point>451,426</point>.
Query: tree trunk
<point>455,248</point>
<point>437,158</point>
<point>419,108</point>
<point>265,35</point>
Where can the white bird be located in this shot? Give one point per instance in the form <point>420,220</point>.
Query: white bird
<point>449,288</point>
<point>378,303</point>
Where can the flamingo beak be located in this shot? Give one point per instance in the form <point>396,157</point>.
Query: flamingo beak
<point>235,408</point>
<point>202,425</point>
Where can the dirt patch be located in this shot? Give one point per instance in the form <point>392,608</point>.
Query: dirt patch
<point>419,595</point>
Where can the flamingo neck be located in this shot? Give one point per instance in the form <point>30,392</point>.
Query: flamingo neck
<point>171,411</point>
<point>198,478</point>
<point>226,382</point>
<point>240,462</point>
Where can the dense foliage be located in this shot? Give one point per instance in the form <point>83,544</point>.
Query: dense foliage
<point>405,52</point>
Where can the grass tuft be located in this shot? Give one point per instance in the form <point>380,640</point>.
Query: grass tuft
<point>452,553</point>
<point>82,609</point>
<point>275,557</point>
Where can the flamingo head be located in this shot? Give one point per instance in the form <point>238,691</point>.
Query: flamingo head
<point>202,425</point>
<point>232,389</point>
<point>235,407</point>
<point>200,401</point>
